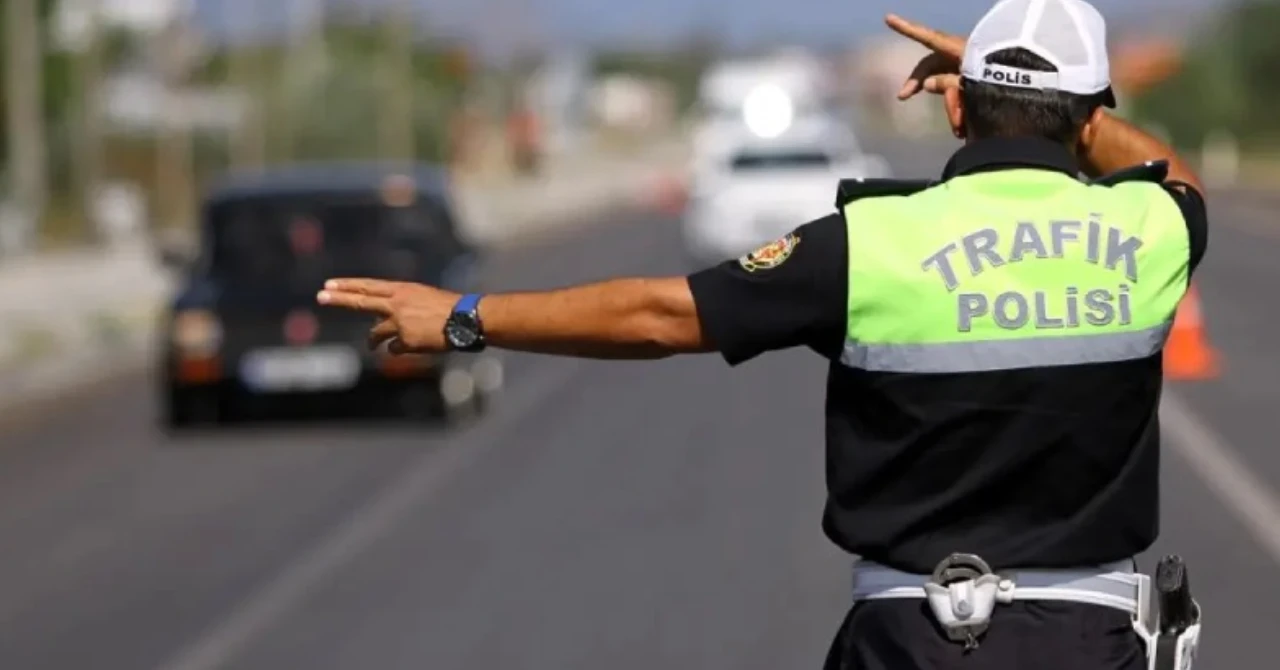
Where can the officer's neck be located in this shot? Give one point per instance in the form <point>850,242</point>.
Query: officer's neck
<point>1072,149</point>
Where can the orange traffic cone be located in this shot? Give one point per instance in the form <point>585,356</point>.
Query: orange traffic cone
<point>1187,354</point>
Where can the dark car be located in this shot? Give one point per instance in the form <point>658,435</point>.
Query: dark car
<point>243,331</point>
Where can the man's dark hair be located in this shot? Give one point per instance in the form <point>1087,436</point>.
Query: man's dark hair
<point>992,110</point>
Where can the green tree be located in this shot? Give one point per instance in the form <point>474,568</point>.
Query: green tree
<point>1227,81</point>
<point>59,84</point>
<point>329,100</point>
<point>56,67</point>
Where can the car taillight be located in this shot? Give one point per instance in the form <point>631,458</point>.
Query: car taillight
<point>300,328</point>
<point>197,333</point>
<point>199,370</point>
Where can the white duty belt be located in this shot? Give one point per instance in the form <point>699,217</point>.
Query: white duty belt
<point>963,590</point>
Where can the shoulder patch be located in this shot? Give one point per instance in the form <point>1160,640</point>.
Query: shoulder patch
<point>770,255</point>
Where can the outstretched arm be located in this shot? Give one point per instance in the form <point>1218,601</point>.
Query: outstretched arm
<point>619,318</point>
<point>790,293</point>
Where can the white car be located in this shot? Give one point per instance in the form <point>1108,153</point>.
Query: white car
<point>746,190</point>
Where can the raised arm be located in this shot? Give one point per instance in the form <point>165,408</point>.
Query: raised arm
<point>1115,144</point>
<point>1111,144</point>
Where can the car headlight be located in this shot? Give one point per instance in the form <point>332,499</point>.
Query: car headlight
<point>768,111</point>
<point>197,332</point>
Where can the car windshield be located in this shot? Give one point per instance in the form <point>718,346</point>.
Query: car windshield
<point>293,243</point>
<point>779,160</point>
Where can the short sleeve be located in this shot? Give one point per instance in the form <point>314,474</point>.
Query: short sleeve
<point>788,293</point>
<point>1196,215</point>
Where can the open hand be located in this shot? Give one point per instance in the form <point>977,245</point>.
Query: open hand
<point>411,316</point>
<point>939,70</point>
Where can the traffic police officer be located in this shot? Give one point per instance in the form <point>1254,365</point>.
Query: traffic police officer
<point>995,343</point>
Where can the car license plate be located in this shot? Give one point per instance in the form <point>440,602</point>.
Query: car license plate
<point>309,369</point>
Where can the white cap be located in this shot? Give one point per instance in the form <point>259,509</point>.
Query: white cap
<point>1070,34</point>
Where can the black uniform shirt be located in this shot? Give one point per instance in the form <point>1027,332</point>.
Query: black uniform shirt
<point>1057,467</point>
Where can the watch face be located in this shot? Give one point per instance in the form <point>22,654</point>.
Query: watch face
<point>462,330</point>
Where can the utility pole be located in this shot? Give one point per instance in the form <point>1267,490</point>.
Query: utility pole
<point>248,146</point>
<point>175,160</point>
<point>306,41</point>
<point>395,128</point>
<point>87,166</point>
<point>28,162</point>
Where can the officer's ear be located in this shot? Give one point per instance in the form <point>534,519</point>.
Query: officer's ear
<point>954,105</point>
<point>1089,131</point>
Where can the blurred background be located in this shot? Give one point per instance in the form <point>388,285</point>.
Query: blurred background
<point>579,514</point>
<point>118,112</point>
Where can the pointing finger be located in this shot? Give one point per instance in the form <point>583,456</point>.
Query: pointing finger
<point>356,301</point>
<point>911,30</point>
<point>936,40</point>
<point>373,287</point>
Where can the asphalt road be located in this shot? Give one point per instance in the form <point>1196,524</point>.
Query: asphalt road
<point>626,515</point>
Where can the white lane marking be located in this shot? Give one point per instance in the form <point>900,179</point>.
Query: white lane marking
<point>365,526</point>
<point>1221,468</point>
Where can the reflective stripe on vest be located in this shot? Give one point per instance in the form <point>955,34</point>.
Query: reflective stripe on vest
<point>1012,269</point>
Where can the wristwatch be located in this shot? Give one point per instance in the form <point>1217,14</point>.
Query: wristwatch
<point>463,330</point>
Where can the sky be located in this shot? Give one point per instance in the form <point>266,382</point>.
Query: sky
<point>657,21</point>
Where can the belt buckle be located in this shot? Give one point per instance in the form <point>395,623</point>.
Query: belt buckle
<point>959,567</point>
<point>963,611</point>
